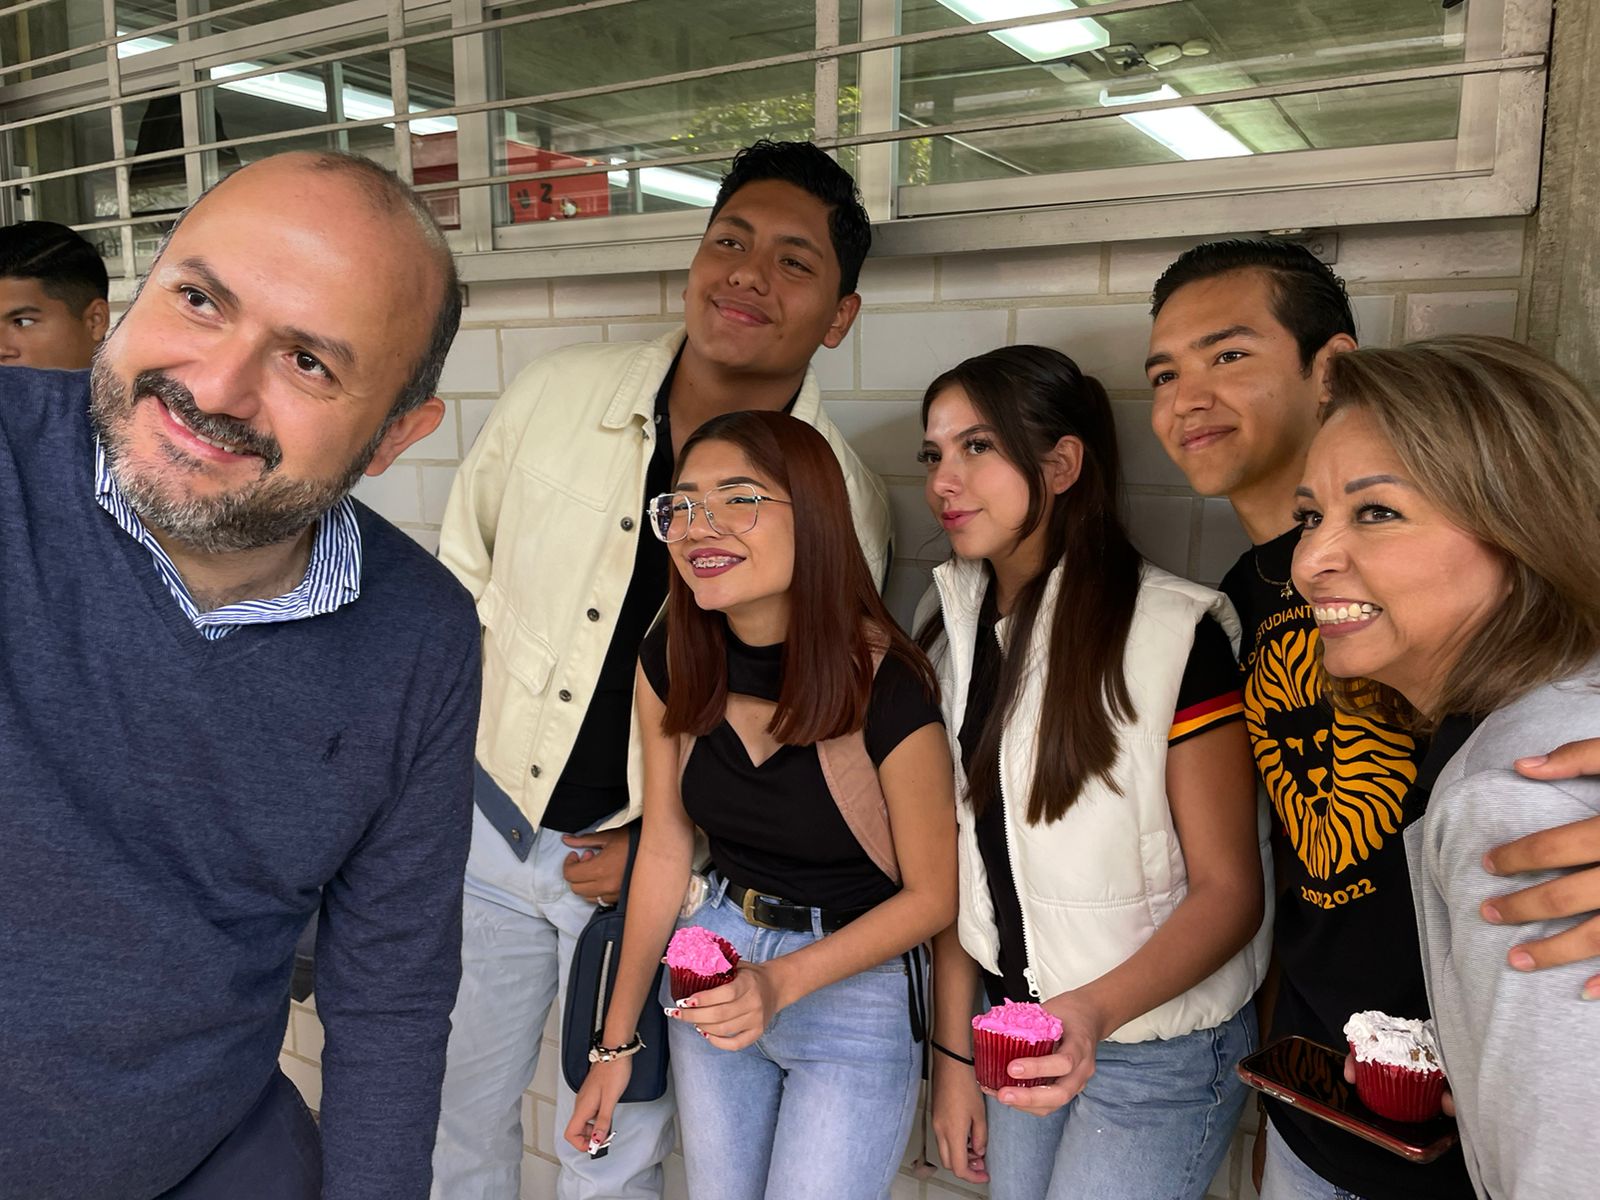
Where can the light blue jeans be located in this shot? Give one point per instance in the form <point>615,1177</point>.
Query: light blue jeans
<point>1153,1123</point>
<point>1287,1178</point>
<point>519,924</point>
<point>820,1105</point>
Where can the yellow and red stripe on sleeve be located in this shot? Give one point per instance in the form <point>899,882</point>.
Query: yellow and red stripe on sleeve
<point>1187,722</point>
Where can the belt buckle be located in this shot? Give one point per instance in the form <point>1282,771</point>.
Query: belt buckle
<point>748,908</point>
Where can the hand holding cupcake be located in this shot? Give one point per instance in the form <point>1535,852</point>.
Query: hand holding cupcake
<point>1007,1032</point>
<point>698,960</point>
<point>1397,1069</point>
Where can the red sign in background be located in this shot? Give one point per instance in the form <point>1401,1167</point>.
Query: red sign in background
<point>434,160</point>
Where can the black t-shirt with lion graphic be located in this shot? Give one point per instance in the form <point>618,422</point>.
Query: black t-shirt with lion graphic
<point>1345,935</point>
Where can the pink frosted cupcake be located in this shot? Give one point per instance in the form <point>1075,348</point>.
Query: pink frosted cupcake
<point>1010,1031</point>
<point>697,960</point>
<point>1397,1065</point>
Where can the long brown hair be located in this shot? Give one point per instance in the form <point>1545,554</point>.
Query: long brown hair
<point>836,618</point>
<point>1508,445</point>
<point>1032,397</point>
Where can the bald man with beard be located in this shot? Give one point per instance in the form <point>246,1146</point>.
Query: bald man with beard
<point>233,698</point>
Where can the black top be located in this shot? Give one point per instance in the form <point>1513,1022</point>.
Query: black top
<point>1345,935</point>
<point>775,827</point>
<point>594,783</point>
<point>1208,696</point>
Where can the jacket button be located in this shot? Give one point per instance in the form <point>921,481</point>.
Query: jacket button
<point>564,694</point>
<point>593,614</point>
<point>535,771</point>
<point>627,523</point>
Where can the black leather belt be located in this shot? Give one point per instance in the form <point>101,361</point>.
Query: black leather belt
<point>771,912</point>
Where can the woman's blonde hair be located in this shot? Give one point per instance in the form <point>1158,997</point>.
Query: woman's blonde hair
<point>1508,445</point>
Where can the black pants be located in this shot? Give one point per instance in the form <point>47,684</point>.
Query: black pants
<point>275,1153</point>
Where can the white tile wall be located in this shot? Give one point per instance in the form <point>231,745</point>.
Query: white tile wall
<point>606,296</point>
<point>1062,271</point>
<point>474,363</point>
<point>921,316</point>
<point>396,494</point>
<point>1432,314</point>
<point>897,280</point>
<point>902,351</point>
<point>1105,340</point>
<point>443,444</point>
<point>836,368</point>
<point>519,347</point>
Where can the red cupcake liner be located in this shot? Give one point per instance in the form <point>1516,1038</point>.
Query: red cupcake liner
<point>992,1053</point>
<point>685,982</point>
<point>1399,1093</point>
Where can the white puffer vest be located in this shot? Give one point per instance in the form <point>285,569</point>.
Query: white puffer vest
<point>1097,883</point>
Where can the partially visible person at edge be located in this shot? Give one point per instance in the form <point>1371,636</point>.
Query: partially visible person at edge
<point>1449,514</point>
<point>543,526</point>
<point>53,297</point>
<point>1242,338</point>
<point>234,697</point>
<point>799,1078</point>
<point>1112,844</point>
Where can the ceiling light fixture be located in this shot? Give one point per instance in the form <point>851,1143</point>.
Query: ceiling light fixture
<point>671,185</point>
<point>1184,130</point>
<point>1036,43</point>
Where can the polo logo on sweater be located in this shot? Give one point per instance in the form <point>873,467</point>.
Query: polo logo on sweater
<point>1338,793</point>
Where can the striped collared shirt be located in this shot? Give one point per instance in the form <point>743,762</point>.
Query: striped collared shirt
<point>333,576</point>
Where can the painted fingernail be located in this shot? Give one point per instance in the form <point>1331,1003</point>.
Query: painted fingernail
<point>684,1003</point>
<point>671,1012</point>
<point>1522,960</point>
<point>1591,990</point>
<point>1491,914</point>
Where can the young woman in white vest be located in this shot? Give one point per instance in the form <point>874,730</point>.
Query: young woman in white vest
<point>783,714</point>
<point>1111,850</point>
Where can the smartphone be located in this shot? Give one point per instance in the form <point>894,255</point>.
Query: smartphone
<point>1310,1076</point>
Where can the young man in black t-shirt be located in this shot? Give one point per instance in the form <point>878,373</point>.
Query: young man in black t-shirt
<point>1242,337</point>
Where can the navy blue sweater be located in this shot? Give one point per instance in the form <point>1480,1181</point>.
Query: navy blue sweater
<point>173,810</point>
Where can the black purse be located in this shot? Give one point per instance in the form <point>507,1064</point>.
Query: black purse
<point>590,980</point>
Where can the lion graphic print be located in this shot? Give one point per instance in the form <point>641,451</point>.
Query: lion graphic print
<point>1339,788</point>
<point>1343,793</point>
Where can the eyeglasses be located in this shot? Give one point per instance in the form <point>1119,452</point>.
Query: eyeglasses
<point>730,510</point>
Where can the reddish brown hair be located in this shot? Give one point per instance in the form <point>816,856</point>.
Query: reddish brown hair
<point>836,617</point>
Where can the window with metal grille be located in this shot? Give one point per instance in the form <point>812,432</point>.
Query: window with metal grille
<point>563,138</point>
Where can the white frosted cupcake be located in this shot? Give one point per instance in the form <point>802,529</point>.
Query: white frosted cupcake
<point>1398,1074</point>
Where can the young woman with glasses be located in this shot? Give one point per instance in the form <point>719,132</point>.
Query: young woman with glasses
<point>800,1077</point>
<point>1110,851</point>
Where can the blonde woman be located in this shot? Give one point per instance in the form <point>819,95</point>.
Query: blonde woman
<point>1451,517</point>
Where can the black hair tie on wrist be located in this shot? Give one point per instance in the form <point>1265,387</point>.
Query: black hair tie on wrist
<point>950,1053</point>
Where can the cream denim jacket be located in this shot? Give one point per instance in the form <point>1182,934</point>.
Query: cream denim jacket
<point>541,527</point>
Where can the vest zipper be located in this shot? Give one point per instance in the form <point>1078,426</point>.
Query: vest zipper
<point>1011,857</point>
<point>1005,805</point>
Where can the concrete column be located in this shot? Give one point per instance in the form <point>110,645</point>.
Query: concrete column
<point>1564,303</point>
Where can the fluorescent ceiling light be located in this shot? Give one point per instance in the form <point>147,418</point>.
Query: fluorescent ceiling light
<point>298,89</point>
<point>1186,131</point>
<point>1037,43</point>
<point>141,45</point>
<point>301,90</point>
<point>671,185</point>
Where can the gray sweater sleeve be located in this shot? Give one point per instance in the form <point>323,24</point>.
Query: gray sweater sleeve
<point>1521,1049</point>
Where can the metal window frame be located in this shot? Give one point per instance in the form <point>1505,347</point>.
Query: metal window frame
<point>1490,168</point>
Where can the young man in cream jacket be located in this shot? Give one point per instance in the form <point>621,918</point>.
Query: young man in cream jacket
<point>544,526</point>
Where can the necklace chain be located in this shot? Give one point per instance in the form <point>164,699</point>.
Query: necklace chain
<point>1285,586</point>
